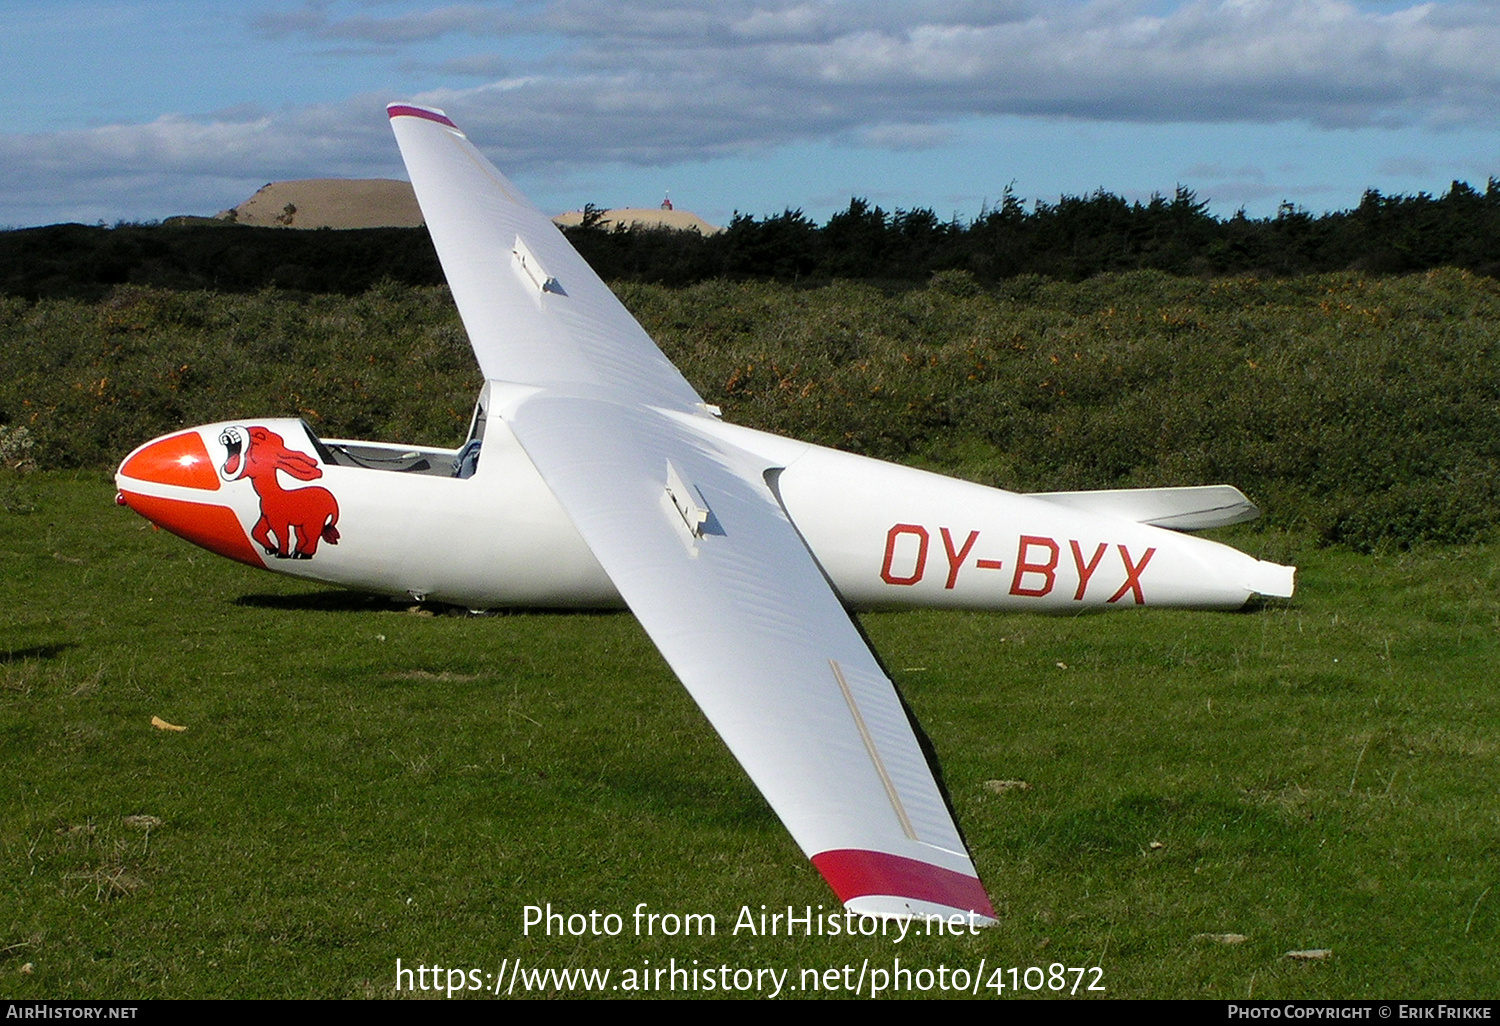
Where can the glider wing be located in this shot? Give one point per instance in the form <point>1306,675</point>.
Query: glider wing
<point>691,532</point>
<point>536,313</point>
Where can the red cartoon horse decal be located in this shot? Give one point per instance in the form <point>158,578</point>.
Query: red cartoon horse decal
<point>258,453</point>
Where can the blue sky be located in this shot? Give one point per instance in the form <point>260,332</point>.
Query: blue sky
<point>142,110</point>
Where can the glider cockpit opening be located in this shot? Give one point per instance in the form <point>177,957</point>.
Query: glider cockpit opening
<point>429,461</point>
<point>467,460</point>
<point>398,459</point>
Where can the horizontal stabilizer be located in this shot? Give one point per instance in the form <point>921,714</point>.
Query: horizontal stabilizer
<point>1181,509</point>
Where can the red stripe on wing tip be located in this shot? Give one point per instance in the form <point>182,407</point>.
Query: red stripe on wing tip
<point>405,110</point>
<point>854,873</point>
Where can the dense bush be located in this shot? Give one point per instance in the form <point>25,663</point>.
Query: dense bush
<point>93,380</point>
<point>1366,409</point>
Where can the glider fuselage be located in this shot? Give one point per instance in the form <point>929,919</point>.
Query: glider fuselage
<point>887,536</point>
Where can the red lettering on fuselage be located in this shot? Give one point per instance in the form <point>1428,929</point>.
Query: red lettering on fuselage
<point>920,567</point>
<point>1048,570</point>
<point>1034,575</point>
<point>956,559</point>
<point>1132,575</point>
<point>1085,570</point>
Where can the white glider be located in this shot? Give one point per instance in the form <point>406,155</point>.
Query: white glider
<point>595,474</point>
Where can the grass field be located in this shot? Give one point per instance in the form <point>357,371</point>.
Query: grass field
<point>360,782</point>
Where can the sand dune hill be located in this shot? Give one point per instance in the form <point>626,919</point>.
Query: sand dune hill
<point>385,203</point>
<point>644,217</point>
<point>331,203</point>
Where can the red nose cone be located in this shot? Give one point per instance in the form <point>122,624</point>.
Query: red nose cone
<point>182,461</point>
<point>174,460</point>
<point>216,528</point>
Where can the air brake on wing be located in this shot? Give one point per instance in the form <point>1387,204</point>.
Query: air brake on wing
<point>532,271</point>
<point>685,500</point>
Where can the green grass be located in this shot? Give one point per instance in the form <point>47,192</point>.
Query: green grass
<point>359,783</point>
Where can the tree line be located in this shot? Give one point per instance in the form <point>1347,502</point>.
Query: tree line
<point>1073,239</point>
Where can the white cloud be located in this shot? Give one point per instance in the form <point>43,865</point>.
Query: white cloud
<point>314,21</point>
<point>1218,172</point>
<point>1327,62</point>
<point>1406,167</point>
<point>658,82</point>
<point>903,137</point>
<point>182,165</point>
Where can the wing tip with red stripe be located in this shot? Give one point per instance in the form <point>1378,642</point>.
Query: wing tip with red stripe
<point>878,883</point>
<point>412,110</point>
